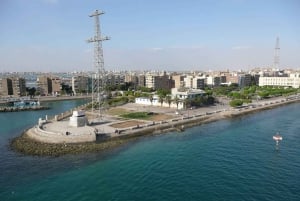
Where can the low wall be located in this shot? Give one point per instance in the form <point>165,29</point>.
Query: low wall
<point>38,134</point>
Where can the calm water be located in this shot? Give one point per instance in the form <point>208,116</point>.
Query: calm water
<point>231,159</point>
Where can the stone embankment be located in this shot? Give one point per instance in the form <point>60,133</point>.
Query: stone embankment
<point>19,109</point>
<point>26,145</point>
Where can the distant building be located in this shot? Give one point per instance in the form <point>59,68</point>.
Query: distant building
<point>198,83</point>
<point>232,78</point>
<point>115,79</point>
<point>244,80</point>
<point>213,81</point>
<point>158,81</point>
<point>188,82</point>
<point>81,84</point>
<point>178,81</point>
<point>292,81</point>
<point>141,80</point>
<point>15,86</point>
<point>133,79</point>
<point>19,86</point>
<point>6,88</point>
<point>56,85</point>
<point>44,85</point>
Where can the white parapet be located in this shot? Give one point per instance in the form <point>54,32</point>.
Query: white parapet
<point>78,119</point>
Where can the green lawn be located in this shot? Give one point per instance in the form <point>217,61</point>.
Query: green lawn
<point>136,115</point>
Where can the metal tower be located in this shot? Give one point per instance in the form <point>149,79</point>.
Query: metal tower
<point>98,79</point>
<point>276,54</point>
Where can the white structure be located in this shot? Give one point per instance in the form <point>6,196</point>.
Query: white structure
<point>292,81</point>
<point>78,119</point>
<point>186,93</point>
<point>180,94</point>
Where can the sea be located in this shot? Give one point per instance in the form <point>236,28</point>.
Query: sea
<point>231,159</point>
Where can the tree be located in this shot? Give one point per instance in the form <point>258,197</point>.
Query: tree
<point>236,102</point>
<point>151,99</point>
<point>31,91</point>
<point>161,99</point>
<point>168,100</point>
<point>176,101</point>
<point>187,103</point>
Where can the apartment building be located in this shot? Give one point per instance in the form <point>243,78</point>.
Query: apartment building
<point>81,84</point>
<point>292,81</point>
<point>44,85</point>
<point>6,88</point>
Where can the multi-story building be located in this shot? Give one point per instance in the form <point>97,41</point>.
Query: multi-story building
<point>81,84</point>
<point>19,86</point>
<point>198,83</point>
<point>158,81</point>
<point>15,86</point>
<point>178,81</point>
<point>6,88</point>
<point>213,81</point>
<point>44,85</point>
<point>232,78</point>
<point>141,80</point>
<point>150,81</point>
<point>292,81</point>
<point>188,81</point>
<point>56,85</point>
<point>115,79</point>
<point>133,79</point>
<point>244,80</point>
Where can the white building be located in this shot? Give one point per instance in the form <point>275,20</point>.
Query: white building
<point>180,94</point>
<point>292,81</point>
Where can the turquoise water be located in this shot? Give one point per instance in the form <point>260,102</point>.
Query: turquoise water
<point>232,159</point>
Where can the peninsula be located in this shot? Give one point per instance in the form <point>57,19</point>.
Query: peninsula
<point>59,136</point>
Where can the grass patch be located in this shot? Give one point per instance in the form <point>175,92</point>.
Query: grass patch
<point>137,115</point>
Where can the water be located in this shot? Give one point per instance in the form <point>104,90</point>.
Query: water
<point>232,159</point>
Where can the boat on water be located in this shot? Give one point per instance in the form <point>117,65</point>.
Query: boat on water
<point>26,103</point>
<point>277,137</point>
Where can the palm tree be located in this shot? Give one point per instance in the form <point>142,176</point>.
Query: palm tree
<point>176,100</point>
<point>161,99</point>
<point>186,102</point>
<point>168,100</point>
<point>151,99</point>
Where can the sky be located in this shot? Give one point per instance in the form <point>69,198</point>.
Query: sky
<point>50,35</point>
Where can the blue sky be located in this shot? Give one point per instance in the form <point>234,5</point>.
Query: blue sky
<point>49,35</point>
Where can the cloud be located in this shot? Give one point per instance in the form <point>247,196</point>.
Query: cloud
<point>241,47</point>
<point>157,48</point>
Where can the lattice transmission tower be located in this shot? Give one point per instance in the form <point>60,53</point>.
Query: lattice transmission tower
<point>99,77</point>
<point>276,54</point>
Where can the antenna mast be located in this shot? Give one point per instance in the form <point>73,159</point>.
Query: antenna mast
<point>276,54</point>
<point>98,79</point>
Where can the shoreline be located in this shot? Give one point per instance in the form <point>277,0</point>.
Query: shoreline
<point>26,145</point>
<point>60,98</point>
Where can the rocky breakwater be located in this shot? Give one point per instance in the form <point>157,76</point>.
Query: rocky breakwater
<point>19,109</point>
<point>29,146</point>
